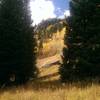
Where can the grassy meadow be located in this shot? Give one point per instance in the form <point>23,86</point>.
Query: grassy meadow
<point>48,87</point>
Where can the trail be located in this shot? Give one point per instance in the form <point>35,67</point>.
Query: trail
<point>47,62</point>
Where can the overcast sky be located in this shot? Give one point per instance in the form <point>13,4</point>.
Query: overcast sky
<point>44,9</point>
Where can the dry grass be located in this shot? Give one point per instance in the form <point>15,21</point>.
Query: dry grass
<point>52,93</point>
<point>48,87</point>
<point>55,45</point>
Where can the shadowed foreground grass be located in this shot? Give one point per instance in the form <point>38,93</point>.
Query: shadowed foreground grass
<point>48,87</point>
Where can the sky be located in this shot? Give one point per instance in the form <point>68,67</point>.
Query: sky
<point>44,9</point>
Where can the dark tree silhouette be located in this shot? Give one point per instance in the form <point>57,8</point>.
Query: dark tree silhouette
<point>17,42</point>
<point>81,55</point>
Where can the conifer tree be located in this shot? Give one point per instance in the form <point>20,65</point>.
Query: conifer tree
<point>81,55</point>
<point>17,42</point>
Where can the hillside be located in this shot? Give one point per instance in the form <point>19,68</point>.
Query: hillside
<point>48,27</point>
<point>50,35</point>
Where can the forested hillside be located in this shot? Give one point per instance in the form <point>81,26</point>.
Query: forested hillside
<point>49,35</point>
<point>47,28</point>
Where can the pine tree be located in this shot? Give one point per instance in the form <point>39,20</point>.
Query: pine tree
<point>81,54</point>
<point>17,42</point>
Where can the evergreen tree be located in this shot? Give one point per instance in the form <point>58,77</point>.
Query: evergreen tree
<point>81,55</point>
<point>17,42</point>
